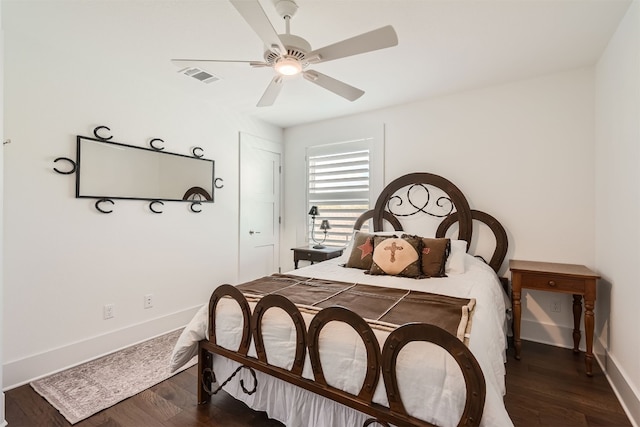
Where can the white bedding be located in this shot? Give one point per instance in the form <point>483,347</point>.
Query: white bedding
<point>431,391</point>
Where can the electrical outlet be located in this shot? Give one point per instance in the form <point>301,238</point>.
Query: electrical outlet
<point>148,301</point>
<point>556,306</point>
<point>108,311</point>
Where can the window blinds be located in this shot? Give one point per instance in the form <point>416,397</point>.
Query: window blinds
<point>339,185</point>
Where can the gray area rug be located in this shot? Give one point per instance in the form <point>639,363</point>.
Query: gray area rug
<point>86,389</point>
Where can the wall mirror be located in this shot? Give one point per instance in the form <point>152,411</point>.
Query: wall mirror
<point>111,170</point>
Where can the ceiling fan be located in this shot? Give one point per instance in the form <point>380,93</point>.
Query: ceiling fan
<point>290,55</point>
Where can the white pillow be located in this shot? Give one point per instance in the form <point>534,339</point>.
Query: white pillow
<point>455,262</point>
<point>187,345</point>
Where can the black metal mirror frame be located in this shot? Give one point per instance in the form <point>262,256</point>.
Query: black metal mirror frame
<point>205,197</point>
<point>194,195</point>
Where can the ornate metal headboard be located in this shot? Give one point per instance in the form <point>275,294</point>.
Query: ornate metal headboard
<point>416,194</point>
<point>494,225</point>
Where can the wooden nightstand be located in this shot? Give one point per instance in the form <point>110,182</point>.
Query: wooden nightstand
<point>309,253</point>
<point>573,279</point>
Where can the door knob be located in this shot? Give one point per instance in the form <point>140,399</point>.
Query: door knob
<point>253,232</point>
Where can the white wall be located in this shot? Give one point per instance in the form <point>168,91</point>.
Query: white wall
<point>618,208</point>
<point>524,152</point>
<point>2,419</point>
<point>63,259</point>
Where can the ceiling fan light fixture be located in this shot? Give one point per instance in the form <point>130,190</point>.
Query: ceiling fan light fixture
<point>288,67</point>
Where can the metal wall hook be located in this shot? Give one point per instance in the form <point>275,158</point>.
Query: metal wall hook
<point>153,203</point>
<point>193,151</point>
<point>74,166</point>
<point>193,207</point>
<point>6,141</point>
<point>97,205</point>
<point>102,138</point>
<point>155,147</point>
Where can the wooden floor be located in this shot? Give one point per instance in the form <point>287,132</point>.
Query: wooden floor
<point>547,387</point>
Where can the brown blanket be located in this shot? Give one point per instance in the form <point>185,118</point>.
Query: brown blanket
<point>378,305</point>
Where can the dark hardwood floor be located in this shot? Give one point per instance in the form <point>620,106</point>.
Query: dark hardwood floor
<point>547,387</point>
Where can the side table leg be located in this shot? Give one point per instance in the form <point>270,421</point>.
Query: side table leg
<point>517,312</point>
<point>577,313</point>
<point>588,332</point>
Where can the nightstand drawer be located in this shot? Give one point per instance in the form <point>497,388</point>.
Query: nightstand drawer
<point>551,282</point>
<point>310,256</point>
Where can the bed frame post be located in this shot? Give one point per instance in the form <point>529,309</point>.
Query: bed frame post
<point>205,363</point>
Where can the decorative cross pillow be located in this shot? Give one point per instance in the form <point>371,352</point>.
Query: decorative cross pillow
<point>397,256</point>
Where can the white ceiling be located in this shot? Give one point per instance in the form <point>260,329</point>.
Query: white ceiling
<point>444,45</point>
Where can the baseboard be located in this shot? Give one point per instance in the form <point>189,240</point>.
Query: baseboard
<point>3,422</point>
<point>19,372</point>
<point>548,333</point>
<point>628,396</point>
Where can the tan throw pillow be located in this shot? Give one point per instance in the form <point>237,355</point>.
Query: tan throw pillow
<point>361,251</point>
<point>434,256</point>
<point>396,256</point>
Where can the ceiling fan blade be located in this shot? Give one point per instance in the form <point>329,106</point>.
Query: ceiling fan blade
<point>178,62</point>
<point>257,19</point>
<point>269,96</point>
<point>336,86</point>
<point>175,61</point>
<point>373,40</point>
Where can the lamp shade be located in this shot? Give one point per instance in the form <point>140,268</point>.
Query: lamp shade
<point>314,211</point>
<point>325,225</point>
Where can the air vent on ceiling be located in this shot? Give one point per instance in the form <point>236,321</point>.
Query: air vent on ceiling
<point>199,74</point>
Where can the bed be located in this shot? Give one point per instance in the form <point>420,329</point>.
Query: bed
<point>416,337</point>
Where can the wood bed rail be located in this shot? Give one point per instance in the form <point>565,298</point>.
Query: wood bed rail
<point>378,362</point>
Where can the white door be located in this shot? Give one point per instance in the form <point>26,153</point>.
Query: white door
<point>259,207</point>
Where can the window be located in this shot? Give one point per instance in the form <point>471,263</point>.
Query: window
<point>339,184</point>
